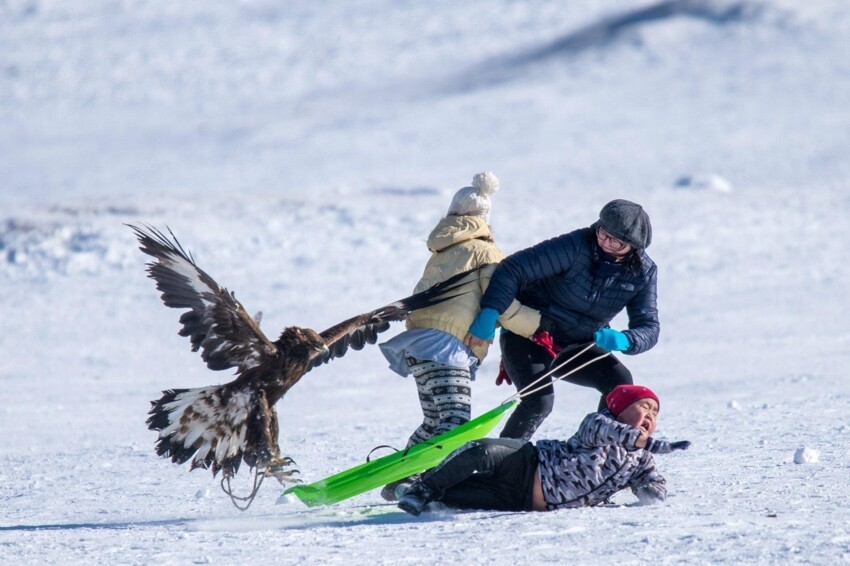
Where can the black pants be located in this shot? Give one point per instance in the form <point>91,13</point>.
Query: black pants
<point>491,473</point>
<point>525,361</point>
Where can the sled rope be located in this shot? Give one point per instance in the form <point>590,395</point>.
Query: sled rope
<point>372,451</point>
<point>404,452</point>
<point>525,391</point>
<point>249,499</point>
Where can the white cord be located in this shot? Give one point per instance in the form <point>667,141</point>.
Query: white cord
<point>525,390</point>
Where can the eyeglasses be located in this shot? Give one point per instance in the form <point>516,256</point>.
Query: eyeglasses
<point>613,243</point>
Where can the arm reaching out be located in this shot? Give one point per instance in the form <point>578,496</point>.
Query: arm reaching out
<point>664,447</point>
<point>598,429</point>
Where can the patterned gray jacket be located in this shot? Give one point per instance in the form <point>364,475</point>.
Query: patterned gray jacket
<point>597,462</point>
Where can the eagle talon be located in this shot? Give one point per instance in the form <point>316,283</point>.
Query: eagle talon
<point>276,468</point>
<point>284,461</point>
<point>285,477</point>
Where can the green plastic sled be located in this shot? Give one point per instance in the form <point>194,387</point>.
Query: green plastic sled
<point>398,465</point>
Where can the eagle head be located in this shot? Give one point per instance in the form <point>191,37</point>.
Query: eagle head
<point>302,342</point>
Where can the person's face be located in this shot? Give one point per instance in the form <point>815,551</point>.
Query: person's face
<point>611,245</point>
<point>642,414</point>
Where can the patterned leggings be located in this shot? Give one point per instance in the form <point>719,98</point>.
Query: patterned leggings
<point>445,394</point>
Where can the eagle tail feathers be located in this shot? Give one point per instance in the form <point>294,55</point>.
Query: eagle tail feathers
<point>206,425</point>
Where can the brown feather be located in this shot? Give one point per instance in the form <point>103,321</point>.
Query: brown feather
<point>218,427</point>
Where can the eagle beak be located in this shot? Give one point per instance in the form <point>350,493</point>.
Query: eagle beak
<point>322,349</point>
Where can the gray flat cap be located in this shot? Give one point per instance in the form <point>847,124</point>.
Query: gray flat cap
<point>627,221</point>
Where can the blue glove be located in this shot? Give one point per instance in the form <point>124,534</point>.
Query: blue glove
<point>484,325</point>
<point>612,340</point>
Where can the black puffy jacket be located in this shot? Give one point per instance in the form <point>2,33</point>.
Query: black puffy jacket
<point>571,283</point>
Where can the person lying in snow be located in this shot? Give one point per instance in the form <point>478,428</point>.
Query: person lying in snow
<point>611,451</point>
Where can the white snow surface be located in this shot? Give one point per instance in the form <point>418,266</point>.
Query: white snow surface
<point>303,151</point>
<point>805,455</point>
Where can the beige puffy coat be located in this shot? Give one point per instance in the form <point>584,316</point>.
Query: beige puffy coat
<point>456,244</point>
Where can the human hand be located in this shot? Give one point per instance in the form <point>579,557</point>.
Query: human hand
<point>503,376</point>
<point>473,341</point>
<point>611,340</point>
<point>484,325</point>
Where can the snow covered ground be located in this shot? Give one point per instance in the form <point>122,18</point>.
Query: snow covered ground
<point>303,152</point>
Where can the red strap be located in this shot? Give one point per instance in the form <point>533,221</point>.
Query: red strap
<point>544,340</point>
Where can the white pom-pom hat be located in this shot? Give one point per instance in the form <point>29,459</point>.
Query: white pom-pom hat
<point>475,200</point>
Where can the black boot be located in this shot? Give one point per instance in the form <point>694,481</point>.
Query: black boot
<point>394,490</point>
<point>417,497</point>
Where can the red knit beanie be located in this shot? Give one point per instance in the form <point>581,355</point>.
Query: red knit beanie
<point>624,395</point>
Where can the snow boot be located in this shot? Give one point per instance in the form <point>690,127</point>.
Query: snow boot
<point>417,497</point>
<point>394,490</point>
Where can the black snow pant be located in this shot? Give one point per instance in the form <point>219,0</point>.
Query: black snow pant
<point>491,473</point>
<point>525,361</point>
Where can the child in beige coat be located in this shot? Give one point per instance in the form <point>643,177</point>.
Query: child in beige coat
<point>432,347</point>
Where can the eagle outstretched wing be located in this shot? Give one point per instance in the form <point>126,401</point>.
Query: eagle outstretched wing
<point>363,329</point>
<point>216,323</point>
<point>219,426</point>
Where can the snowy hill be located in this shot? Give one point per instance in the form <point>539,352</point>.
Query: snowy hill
<point>303,152</point>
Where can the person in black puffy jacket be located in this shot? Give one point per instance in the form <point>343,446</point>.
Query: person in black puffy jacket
<point>579,281</point>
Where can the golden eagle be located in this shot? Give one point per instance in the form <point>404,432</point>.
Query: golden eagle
<point>219,426</point>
